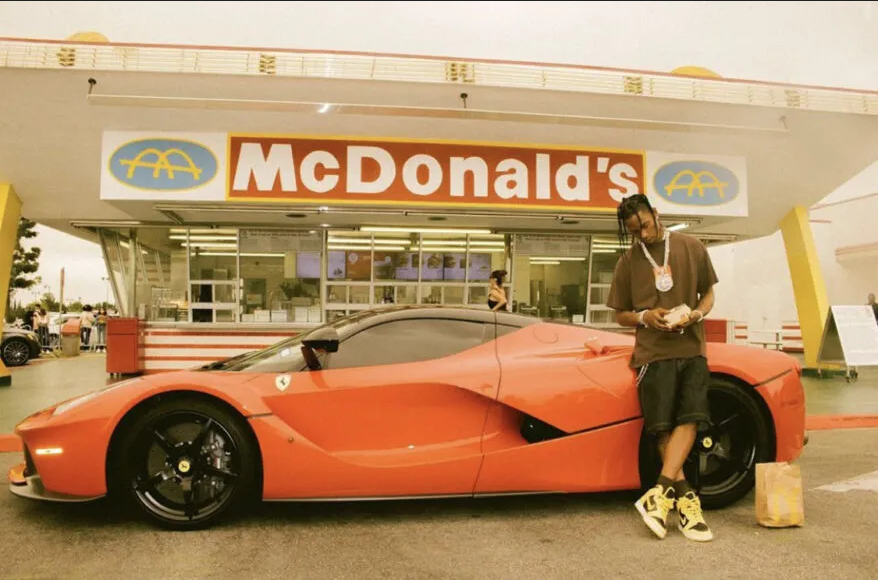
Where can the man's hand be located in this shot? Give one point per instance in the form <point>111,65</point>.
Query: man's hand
<point>655,318</point>
<point>689,320</point>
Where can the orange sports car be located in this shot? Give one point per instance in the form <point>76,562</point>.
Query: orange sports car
<point>402,402</point>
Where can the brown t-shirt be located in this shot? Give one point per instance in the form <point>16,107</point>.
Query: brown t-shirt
<point>633,289</point>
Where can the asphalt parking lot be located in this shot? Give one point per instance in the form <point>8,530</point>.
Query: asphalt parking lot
<point>541,537</point>
<point>526,537</point>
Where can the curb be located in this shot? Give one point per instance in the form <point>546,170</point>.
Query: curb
<point>10,443</point>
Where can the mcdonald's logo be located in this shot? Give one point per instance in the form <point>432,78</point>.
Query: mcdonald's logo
<point>163,164</point>
<point>696,183</point>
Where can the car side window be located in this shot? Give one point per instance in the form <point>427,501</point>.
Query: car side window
<point>405,341</point>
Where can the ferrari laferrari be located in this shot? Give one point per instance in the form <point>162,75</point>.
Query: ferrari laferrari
<point>402,402</point>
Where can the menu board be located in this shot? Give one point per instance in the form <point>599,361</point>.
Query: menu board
<point>479,267</point>
<point>407,266</point>
<point>432,266</point>
<point>454,266</point>
<point>359,265</point>
<point>337,267</point>
<point>396,265</point>
<point>308,265</point>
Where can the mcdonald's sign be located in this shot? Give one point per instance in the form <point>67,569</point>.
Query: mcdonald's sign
<point>163,166</point>
<point>697,184</point>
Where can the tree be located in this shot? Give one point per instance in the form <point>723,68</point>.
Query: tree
<point>25,262</point>
<point>49,302</point>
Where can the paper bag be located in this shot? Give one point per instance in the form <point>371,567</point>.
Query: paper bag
<point>779,501</point>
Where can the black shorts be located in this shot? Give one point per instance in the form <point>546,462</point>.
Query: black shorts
<point>674,392</point>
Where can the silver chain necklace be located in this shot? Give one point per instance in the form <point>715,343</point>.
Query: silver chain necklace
<point>663,280</point>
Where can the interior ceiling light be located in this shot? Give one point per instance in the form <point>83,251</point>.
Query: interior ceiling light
<point>424,230</point>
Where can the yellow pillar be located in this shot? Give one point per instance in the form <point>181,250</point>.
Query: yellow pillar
<point>10,212</point>
<point>809,288</point>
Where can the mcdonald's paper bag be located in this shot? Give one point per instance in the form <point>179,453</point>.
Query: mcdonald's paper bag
<point>779,501</point>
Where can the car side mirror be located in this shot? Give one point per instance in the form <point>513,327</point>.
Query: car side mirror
<point>322,339</point>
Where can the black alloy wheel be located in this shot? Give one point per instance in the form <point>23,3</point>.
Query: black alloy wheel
<point>16,352</point>
<point>722,464</point>
<point>187,463</point>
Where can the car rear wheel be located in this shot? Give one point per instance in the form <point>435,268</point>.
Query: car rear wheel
<point>187,463</point>
<point>16,352</point>
<point>723,460</point>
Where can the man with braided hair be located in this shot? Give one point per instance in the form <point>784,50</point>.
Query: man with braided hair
<point>659,271</point>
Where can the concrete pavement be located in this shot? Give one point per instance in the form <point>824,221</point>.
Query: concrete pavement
<point>550,537</point>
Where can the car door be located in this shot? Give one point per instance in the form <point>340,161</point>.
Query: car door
<point>400,408</point>
<point>583,405</point>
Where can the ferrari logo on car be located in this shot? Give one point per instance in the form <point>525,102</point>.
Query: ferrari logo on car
<point>282,382</point>
<point>184,466</point>
<point>707,442</point>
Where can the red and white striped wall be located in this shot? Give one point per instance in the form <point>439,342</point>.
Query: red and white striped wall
<point>790,335</point>
<point>170,349</point>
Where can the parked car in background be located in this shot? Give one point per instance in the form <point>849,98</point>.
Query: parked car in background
<point>18,346</point>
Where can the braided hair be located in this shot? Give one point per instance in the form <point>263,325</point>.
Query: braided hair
<point>631,206</point>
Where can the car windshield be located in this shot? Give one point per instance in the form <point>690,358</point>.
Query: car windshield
<point>286,355</point>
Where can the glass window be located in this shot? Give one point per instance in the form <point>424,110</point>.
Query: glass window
<point>161,292</point>
<point>115,248</point>
<point>213,272</point>
<point>212,252</point>
<point>551,276</point>
<point>605,252</point>
<point>405,341</point>
<point>280,276</point>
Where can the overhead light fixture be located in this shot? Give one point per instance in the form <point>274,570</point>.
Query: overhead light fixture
<point>678,227</point>
<point>367,241</point>
<point>366,248</point>
<point>424,230</point>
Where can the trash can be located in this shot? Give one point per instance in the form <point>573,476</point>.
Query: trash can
<point>70,338</point>
<point>123,337</point>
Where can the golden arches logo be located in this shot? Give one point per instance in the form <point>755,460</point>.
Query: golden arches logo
<point>162,163</point>
<point>697,182</point>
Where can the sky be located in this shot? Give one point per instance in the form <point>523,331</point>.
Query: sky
<point>83,266</point>
<point>818,43</point>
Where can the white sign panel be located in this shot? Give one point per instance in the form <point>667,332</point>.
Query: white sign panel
<point>850,336</point>
<point>163,166</point>
<point>688,184</point>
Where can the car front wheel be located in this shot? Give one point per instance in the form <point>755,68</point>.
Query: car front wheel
<point>186,463</point>
<point>16,352</point>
